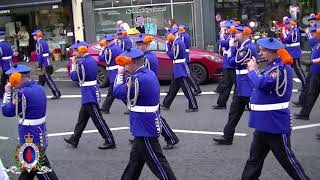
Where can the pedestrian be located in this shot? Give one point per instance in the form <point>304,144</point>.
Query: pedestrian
<point>124,40</point>
<point>187,41</point>
<point>176,51</point>
<point>142,91</point>
<point>311,41</point>
<point>242,49</point>
<point>6,54</point>
<point>23,37</point>
<point>292,39</point>
<point>228,73</point>
<point>270,113</point>
<point>84,70</point>
<point>108,54</point>
<point>151,62</point>
<point>314,88</point>
<point>45,69</point>
<point>27,100</point>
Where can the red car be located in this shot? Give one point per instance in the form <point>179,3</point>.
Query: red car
<point>204,64</point>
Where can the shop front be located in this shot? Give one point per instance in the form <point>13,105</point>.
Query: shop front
<point>147,16</point>
<point>53,17</point>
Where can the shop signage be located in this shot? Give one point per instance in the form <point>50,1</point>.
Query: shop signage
<point>146,10</point>
<point>7,11</point>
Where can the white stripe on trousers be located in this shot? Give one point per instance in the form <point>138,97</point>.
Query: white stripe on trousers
<point>155,159</point>
<point>193,82</point>
<point>46,176</point>
<point>289,155</point>
<point>101,123</point>
<point>49,80</point>
<point>189,92</point>
<point>300,70</point>
<point>168,132</point>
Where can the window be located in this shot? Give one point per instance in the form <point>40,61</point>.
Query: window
<point>141,2</point>
<point>161,46</point>
<point>154,46</point>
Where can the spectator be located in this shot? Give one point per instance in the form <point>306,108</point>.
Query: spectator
<point>23,37</point>
<point>123,25</point>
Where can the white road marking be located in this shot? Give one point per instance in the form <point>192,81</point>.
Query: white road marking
<point>127,128</point>
<point>205,132</point>
<point>62,70</point>
<point>174,130</point>
<point>161,94</point>
<point>306,126</point>
<point>86,131</point>
<point>4,138</point>
<point>297,80</point>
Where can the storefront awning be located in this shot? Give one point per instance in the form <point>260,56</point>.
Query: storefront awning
<point>8,4</point>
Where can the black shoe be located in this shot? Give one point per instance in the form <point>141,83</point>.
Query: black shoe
<point>105,111</point>
<point>72,142</point>
<point>131,140</point>
<point>126,112</point>
<point>318,136</point>
<point>219,107</point>
<point>170,145</point>
<point>107,146</point>
<point>223,141</point>
<point>191,110</point>
<point>301,117</point>
<point>296,104</point>
<point>56,96</point>
<point>162,107</point>
<point>198,93</point>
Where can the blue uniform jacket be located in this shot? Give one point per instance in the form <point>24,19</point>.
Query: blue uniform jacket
<point>236,59</point>
<point>224,44</point>
<point>186,39</point>
<point>125,43</point>
<point>109,57</point>
<point>142,124</point>
<point>151,61</point>
<point>311,41</point>
<point>35,100</point>
<point>43,53</point>
<point>176,51</point>
<point>5,56</point>
<point>271,121</point>
<point>292,42</point>
<point>85,71</point>
<point>315,68</point>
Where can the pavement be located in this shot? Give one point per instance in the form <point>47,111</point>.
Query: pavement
<point>196,157</point>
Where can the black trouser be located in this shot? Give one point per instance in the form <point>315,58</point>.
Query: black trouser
<point>50,175</point>
<point>175,85</point>
<point>225,86</point>
<point>298,70</point>
<point>92,110</point>
<point>169,136</point>
<point>280,146</point>
<point>312,96</point>
<point>193,84</point>
<point>109,99</point>
<point>23,51</point>
<point>305,89</point>
<point>4,80</point>
<point>46,77</point>
<point>147,150</point>
<point>237,108</point>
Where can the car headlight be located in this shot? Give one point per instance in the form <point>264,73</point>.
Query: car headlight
<point>212,58</point>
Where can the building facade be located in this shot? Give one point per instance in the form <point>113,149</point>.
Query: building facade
<point>53,17</point>
<point>100,16</point>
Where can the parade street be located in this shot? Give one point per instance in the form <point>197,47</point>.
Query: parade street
<point>196,157</point>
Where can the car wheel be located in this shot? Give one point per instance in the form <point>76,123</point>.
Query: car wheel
<point>198,72</point>
<point>102,78</point>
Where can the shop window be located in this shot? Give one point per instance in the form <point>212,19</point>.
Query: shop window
<point>183,15</point>
<point>151,19</point>
<point>118,3</point>
<point>160,1</point>
<point>141,2</point>
<point>182,1</point>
